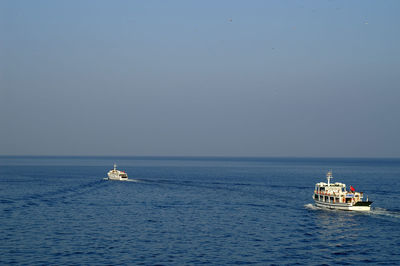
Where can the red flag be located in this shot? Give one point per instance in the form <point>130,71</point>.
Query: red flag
<point>352,189</point>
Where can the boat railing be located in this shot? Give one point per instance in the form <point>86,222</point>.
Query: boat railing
<point>328,193</point>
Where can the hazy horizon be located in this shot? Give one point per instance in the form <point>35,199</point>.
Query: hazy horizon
<point>200,157</point>
<point>201,79</point>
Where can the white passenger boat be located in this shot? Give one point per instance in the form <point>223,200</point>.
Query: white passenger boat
<point>117,174</point>
<point>335,196</point>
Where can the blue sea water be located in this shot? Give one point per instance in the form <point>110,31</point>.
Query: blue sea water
<point>59,210</point>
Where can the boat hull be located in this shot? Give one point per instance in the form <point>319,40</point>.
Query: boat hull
<point>117,179</point>
<point>360,206</point>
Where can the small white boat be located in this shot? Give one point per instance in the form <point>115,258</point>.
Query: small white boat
<point>117,174</point>
<point>335,196</point>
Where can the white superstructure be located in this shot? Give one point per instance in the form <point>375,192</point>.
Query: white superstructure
<point>335,196</point>
<point>117,175</point>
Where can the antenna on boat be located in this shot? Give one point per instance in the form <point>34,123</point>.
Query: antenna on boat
<point>329,176</point>
<point>115,166</point>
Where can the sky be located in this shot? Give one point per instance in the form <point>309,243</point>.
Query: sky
<point>200,78</point>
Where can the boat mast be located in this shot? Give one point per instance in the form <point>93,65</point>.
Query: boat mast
<point>115,167</point>
<point>329,176</point>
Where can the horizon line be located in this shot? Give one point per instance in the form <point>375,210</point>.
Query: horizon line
<point>204,156</point>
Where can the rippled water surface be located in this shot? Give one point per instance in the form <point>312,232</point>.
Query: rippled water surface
<point>59,210</point>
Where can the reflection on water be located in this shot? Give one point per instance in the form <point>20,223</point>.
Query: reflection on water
<point>337,226</point>
<point>344,233</point>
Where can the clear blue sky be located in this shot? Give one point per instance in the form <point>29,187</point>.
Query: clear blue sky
<point>218,78</point>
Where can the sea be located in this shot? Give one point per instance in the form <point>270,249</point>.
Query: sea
<point>194,210</point>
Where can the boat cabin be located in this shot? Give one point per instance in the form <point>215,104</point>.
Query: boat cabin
<point>335,193</point>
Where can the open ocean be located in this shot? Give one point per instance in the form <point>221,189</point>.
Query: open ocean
<point>185,211</point>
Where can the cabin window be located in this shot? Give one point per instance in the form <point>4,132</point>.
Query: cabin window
<point>331,199</point>
<point>337,200</point>
<point>326,198</point>
<point>348,200</point>
<point>316,196</point>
